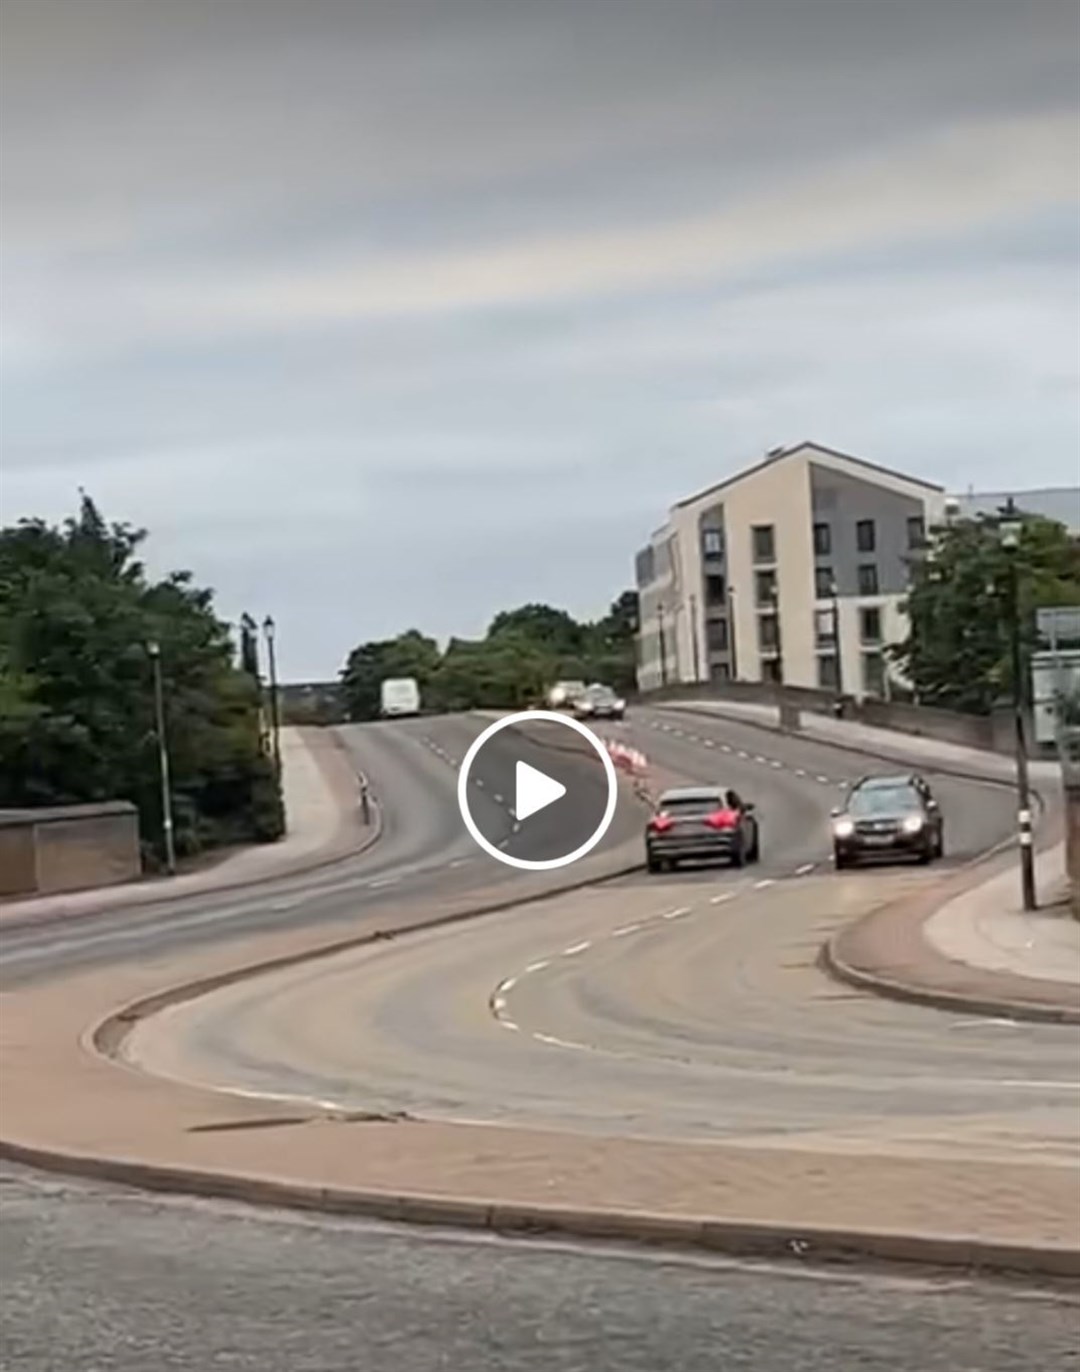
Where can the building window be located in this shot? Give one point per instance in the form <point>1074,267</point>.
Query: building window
<point>712,542</point>
<point>715,589</point>
<point>916,532</point>
<point>763,537</point>
<point>769,633</point>
<point>873,670</point>
<point>824,583</point>
<point>865,536</point>
<point>765,588</point>
<point>716,635</point>
<point>828,678</point>
<point>825,628</point>
<point>771,670</point>
<point>822,540</point>
<point>870,625</point>
<point>868,582</point>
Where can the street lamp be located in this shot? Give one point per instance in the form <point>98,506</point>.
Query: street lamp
<point>732,657</point>
<point>694,638</point>
<point>270,630</point>
<point>153,648</point>
<point>1010,528</point>
<point>834,591</point>
<point>663,646</point>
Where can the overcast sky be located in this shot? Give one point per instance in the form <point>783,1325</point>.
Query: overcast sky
<point>381,313</point>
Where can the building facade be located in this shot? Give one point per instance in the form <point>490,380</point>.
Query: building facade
<point>793,570</point>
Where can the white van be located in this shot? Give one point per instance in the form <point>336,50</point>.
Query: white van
<point>399,696</point>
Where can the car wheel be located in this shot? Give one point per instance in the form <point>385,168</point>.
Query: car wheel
<point>652,864</point>
<point>939,847</point>
<point>754,855</point>
<point>840,860</point>
<point>738,855</point>
<point>926,854</point>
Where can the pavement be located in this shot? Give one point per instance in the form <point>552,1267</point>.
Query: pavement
<point>96,1278</point>
<point>321,794</point>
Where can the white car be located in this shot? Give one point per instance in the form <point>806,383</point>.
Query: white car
<point>564,693</point>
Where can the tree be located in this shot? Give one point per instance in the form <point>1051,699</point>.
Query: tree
<point>76,704</point>
<point>369,664</point>
<point>957,652</point>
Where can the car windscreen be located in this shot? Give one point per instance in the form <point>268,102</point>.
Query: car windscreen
<point>883,800</point>
<point>692,805</point>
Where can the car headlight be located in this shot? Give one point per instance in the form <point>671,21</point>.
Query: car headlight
<point>912,824</point>
<point>620,705</point>
<point>843,828</point>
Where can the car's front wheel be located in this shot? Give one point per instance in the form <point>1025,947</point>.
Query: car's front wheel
<point>754,853</point>
<point>841,860</point>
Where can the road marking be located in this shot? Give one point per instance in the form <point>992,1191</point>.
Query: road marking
<point>743,754</point>
<point>824,780</point>
<point>499,1004</point>
<point>555,1043</point>
<point>459,862</point>
<point>766,881</point>
<point>576,948</point>
<point>709,743</point>
<point>800,771</point>
<point>538,966</point>
<point>719,900</point>
<point>774,763</point>
<point>979,1023</point>
<point>726,747</point>
<point>802,871</point>
<point>508,1024</point>
<point>383,881</point>
<point>759,758</point>
<point>625,929</point>
<point>505,987</point>
<point>479,781</point>
<point>676,914</point>
<point>498,798</point>
<point>517,826</point>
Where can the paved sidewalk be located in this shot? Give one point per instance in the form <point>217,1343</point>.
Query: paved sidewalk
<point>320,789</point>
<point>888,744</point>
<point>969,948</point>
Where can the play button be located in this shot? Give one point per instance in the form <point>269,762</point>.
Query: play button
<point>534,791</point>
<point>537,790</point>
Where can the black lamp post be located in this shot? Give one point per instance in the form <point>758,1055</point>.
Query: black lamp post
<point>663,646</point>
<point>153,648</point>
<point>270,630</point>
<point>1010,528</point>
<point>834,590</point>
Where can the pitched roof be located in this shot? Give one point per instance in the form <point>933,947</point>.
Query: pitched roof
<point>780,454</point>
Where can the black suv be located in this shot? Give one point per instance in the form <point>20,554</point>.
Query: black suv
<point>888,816</point>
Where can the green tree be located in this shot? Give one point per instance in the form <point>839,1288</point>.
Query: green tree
<point>957,653</point>
<point>76,702</point>
<point>369,664</point>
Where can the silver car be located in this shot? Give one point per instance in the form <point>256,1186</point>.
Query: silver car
<point>599,702</point>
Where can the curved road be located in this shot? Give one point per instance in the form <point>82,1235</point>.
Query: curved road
<point>671,1011</point>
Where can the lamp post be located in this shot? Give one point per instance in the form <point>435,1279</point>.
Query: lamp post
<point>834,591</point>
<point>731,634</point>
<point>663,646</point>
<point>153,648</point>
<point>1010,527</point>
<point>270,630</point>
<point>694,639</point>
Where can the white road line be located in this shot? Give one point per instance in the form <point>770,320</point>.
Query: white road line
<point>517,826</point>
<point>498,798</point>
<point>625,929</point>
<point>719,900</point>
<point>743,754</point>
<point>499,1004</point>
<point>458,862</point>
<point>505,987</point>
<point>824,780</point>
<point>726,747</point>
<point>555,1043</point>
<point>508,1024</point>
<point>709,743</point>
<point>774,763</point>
<point>676,914</point>
<point>759,758</point>
<point>538,966</point>
<point>802,871</point>
<point>766,881</point>
<point>800,771</point>
<point>980,1023</point>
<point>576,948</point>
<point>383,881</point>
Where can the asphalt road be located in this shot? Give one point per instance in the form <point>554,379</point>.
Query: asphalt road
<point>96,1279</point>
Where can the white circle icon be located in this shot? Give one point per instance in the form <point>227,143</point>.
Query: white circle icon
<point>535,791</point>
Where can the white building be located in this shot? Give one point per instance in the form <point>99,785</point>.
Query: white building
<point>752,578</point>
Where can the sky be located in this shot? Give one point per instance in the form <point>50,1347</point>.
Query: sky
<point>393,313</point>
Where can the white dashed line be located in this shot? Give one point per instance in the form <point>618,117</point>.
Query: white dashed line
<point>625,929</point>
<point>824,780</point>
<point>499,1004</point>
<point>709,743</point>
<point>507,986</point>
<point>802,871</point>
<point>576,948</point>
<point>800,771</point>
<point>720,900</point>
<point>774,763</point>
<point>555,1043</point>
<point>759,758</point>
<point>726,747</point>
<point>676,914</point>
<point>480,781</point>
<point>743,754</point>
<point>538,966</point>
<point>761,885</point>
<point>458,862</point>
<point>508,1024</point>
<point>383,881</point>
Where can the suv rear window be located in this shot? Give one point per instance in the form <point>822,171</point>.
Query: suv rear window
<point>695,805</point>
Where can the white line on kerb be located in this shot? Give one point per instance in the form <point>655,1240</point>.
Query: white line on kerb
<point>625,929</point>
<point>576,948</point>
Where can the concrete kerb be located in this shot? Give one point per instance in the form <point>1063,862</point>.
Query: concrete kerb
<point>810,1246</point>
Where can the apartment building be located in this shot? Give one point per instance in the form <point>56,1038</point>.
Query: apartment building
<point>793,570</point>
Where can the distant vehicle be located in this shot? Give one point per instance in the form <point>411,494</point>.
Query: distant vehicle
<point>564,693</point>
<point>599,702</point>
<point>701,822</point>
<point>398,697</point>
<point>888,816</point>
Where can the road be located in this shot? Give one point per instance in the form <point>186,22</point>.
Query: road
<point>96,1279</point>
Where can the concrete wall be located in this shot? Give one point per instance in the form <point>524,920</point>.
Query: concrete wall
<point>68,848</point>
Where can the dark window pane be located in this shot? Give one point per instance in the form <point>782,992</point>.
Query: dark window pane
<point>769,632</point>
<point>716,634</point>
<point>764,543</point>
<point>765,588</point>
<point>822,540</point>
<point>916,532</point>
<point>865,536</point>
<point>827,675</point>
<point>823,582</point>
<point>870,625</point>
<point>715,589</point>
<point>874,674</point>
<point>868,579</point>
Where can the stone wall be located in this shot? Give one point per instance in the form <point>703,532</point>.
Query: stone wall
<point>68,848</point>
